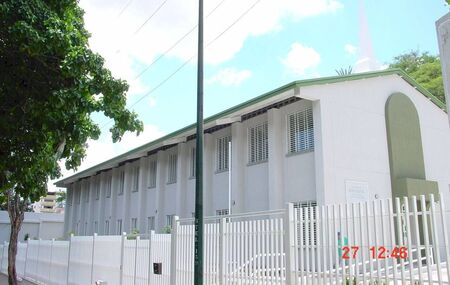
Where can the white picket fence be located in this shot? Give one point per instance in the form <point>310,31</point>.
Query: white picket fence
<point>404,241</point>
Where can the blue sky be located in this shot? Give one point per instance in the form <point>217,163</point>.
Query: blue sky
<point>275,43</point>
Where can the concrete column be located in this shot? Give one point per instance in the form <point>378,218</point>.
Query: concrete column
<point>83,206</point>
<point>126,223</point>
<point>238,162</point>
<point>182,177</point>
<point>114,191</point>
<point>208,172</point>
<point>90,206</point>
<point>161,173</point>
<point>142,193</point>
<point>323,151</point>
<point>275,162</point>
<point>102,203</point>
<point>68,213</point>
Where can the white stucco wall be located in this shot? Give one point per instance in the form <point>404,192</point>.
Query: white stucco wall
<point>350,146</point>
<point>353,144</point>
<point>36,225</point>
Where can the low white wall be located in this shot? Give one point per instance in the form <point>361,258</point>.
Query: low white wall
<point>36,225</point>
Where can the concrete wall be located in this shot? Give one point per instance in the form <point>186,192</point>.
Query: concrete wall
<point>351,147</point>
<point>36,225</point>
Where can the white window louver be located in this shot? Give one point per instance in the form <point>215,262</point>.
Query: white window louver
<point>150,224</point>
<point>172,168</point>
<point>121,182</point>
<point>192,163</point>
<point>222,212</point>
<point>133,225</point>
<point>86,192</point>
<point>300,131</point>
<point>106,228</point>
<point>152,174</point>
<point>108,186</point>
<point>258,145</point>
<point>135,179</point>
<point>222,153</point>
<point>309,225</point>
<point>119,227</point>
<point>97,189</point>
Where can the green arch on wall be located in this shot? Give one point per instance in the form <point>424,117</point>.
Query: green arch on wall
<point>406,158</point>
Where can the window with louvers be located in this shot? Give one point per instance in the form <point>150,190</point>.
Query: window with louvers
<point>133,224</point>
<point>172,168</point>
<point>97,189</point>
<point>258,144</point>
<point>87,192</point>
<point>106,227</point>
<point>192,163</point>
<point>119,227</point>
<point>135,179</point>
<point>150,224</point>
<point>108,186</point>
<point>121,182</point>
<point>152,174</point>
<point>222,212</point>
<point>309,224</point>
<point>222,153</point>
<point>301,131</point>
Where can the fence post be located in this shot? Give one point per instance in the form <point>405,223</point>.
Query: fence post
<point>150,265</point>
<point>68,258</point>
<point>135,258</point>
<point>122,253</point>
<point>92,260</point>
<point>222,251</point>
<point>38,260</point>
<point>173,252</point>
<point>26,259</point>
<point>51,257</point>
<point>289,243</point>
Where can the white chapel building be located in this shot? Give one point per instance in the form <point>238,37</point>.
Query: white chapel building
<point>322,141</point>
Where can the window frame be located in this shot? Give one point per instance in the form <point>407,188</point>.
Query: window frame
<point>121,182</point>
<point>152,173</point>
<point>172,165</point>
<point>258,143</point>
<point>222,153</point>
<point>295,138</point>
<point>135,174</point>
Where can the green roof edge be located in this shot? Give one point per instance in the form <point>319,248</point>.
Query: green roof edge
<point>267,95</point>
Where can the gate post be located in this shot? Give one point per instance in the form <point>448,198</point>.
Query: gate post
<point>173,252</point>
<point>150,264</point>
<point>68,258</point>
<point>122,253</point>
<point>222,252</point>
<point>289,244</point>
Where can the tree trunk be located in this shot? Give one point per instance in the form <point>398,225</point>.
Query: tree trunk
<point>16,215</point>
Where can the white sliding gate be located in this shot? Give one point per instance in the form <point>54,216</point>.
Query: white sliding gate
<point>400,241</point>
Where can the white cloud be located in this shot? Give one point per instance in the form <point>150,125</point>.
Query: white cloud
<point>112,36</point>
<point>368,64</point>
<point>301,59</point>
<point>230,77</point>
<point>350,49</point>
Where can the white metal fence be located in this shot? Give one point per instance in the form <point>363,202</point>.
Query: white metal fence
<point>379,242</point>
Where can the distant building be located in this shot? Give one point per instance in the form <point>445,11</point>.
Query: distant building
<point>48,204</point>
<point>354,138</point>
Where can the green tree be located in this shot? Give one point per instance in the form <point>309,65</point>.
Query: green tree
<point>61,198</point>
<point>50,84</point>
<point>344,71</point>
<point>424,68</point>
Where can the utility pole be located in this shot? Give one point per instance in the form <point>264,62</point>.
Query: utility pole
<point>198,250</point>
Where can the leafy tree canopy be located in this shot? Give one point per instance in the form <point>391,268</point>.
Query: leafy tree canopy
<point>424,68</point>
<point>50,84</point>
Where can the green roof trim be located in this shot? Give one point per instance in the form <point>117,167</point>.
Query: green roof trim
<point>292,85</point>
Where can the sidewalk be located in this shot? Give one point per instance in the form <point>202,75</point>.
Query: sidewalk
<point>4,280</point>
